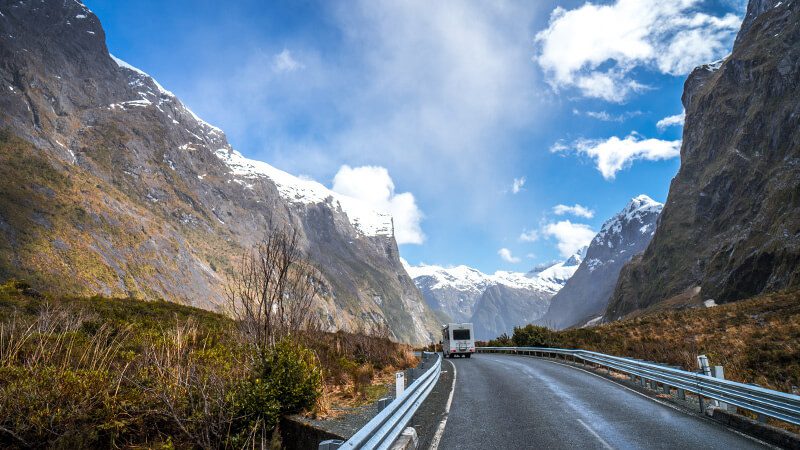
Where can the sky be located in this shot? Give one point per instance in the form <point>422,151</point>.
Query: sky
<point>500,135</point>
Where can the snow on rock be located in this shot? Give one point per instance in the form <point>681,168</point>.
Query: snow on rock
<point>638,208</point>
<point>294,190</point>
<point>466,279</point>
<point>303,191</point>
<point>142,75</point>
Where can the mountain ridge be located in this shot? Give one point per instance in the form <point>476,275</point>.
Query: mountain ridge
<point>730,228</point>
<point>585,295</point>
<point>117,188</point>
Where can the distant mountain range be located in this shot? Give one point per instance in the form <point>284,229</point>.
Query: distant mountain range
<point>494,303</point>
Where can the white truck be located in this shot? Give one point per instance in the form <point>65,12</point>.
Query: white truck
<point>458,339</point>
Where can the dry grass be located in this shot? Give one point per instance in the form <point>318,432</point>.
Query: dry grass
<point>336,399</point>
<point>357,368</point>
<point>122,373</point>
<point>756,340</point>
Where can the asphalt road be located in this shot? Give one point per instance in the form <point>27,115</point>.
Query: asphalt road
<point>513,402</point>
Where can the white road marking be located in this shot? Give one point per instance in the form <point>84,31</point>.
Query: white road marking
<point>657,400</point>
<point>594,433</point>
<point>440,429</point>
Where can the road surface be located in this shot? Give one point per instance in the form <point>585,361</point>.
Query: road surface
<point>514,402</point>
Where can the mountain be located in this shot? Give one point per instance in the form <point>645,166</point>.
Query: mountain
<point>730,228</point>
<point>496,303</point>
<point>111,185</point>
<point>585,295</point>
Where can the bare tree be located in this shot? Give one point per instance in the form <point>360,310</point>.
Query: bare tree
<point>272,292</point>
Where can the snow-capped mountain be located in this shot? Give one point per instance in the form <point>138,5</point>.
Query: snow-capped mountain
<point>497,302</point>
<point>293,189</point>
<point>585,295</point>
<point>161,206</point>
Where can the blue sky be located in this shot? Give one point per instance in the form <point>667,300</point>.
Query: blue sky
<point>455,100</point>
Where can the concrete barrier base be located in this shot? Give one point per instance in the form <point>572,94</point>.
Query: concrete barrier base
<point>767,433</point>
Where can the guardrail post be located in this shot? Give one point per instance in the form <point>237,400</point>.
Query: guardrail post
<point>399,384</point>
<point>705,369</point>
<point>719,372</point>
<point>702,363</point>
<point>330,444</point>
<point>681,394</point>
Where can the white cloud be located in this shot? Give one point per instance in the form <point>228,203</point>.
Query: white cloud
<point>516,186</point>
<point>671,121</point>
<point>429,89</point>
<point>506,255</point>
<point>375,187</point>
<point>570,236</point>
<point>529,236</point>
<point>597,47</point>
<point>575,210</point>
<point>605,116</point>
<point>285,62</point>
<point>614,154</point>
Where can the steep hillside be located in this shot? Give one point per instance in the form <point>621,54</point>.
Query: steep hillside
<point>585,295</point>
<point>494,303</point>
<point>731,223</point>
<point>111,185</point>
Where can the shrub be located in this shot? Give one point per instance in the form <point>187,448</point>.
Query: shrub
<point>257,409</point>
<point>534,336</point>
<point>294,375</point>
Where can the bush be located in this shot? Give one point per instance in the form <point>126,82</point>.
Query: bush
<point>294,376</point>
<point>258,409</point>
<point>534,336</point>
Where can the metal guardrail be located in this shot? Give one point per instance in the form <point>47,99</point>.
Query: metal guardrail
<point>763,401</point>
<point>386,426</point>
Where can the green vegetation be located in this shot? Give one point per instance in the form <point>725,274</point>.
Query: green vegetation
<point>755,339</point>
<point>99,373</point>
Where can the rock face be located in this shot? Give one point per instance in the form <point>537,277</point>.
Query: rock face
<point>585,296</point>
<point>731,223</point>
<point>111,185</point>
<point>495,304</point>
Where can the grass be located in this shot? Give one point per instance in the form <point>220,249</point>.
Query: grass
<point>95,372</point>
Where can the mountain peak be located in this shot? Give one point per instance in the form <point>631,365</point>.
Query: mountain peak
<point>586,293</point>
<point>637,209</point>
<point>577,258</point>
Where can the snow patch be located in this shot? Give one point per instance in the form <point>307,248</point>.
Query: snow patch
<point>307,192</point>
<point>468,279</point>
<point>125,65</point>
<point>592,322</point>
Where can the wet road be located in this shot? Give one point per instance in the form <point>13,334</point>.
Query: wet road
<point>513,402</point>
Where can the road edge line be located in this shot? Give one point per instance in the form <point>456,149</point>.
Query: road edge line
<point>594,433</point>
<point>661,402</point>
<point>437,437</point>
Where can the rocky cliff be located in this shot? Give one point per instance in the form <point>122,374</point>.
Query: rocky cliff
<point>730,228</point>
<point>585,295</point>
<point>109,184</point>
